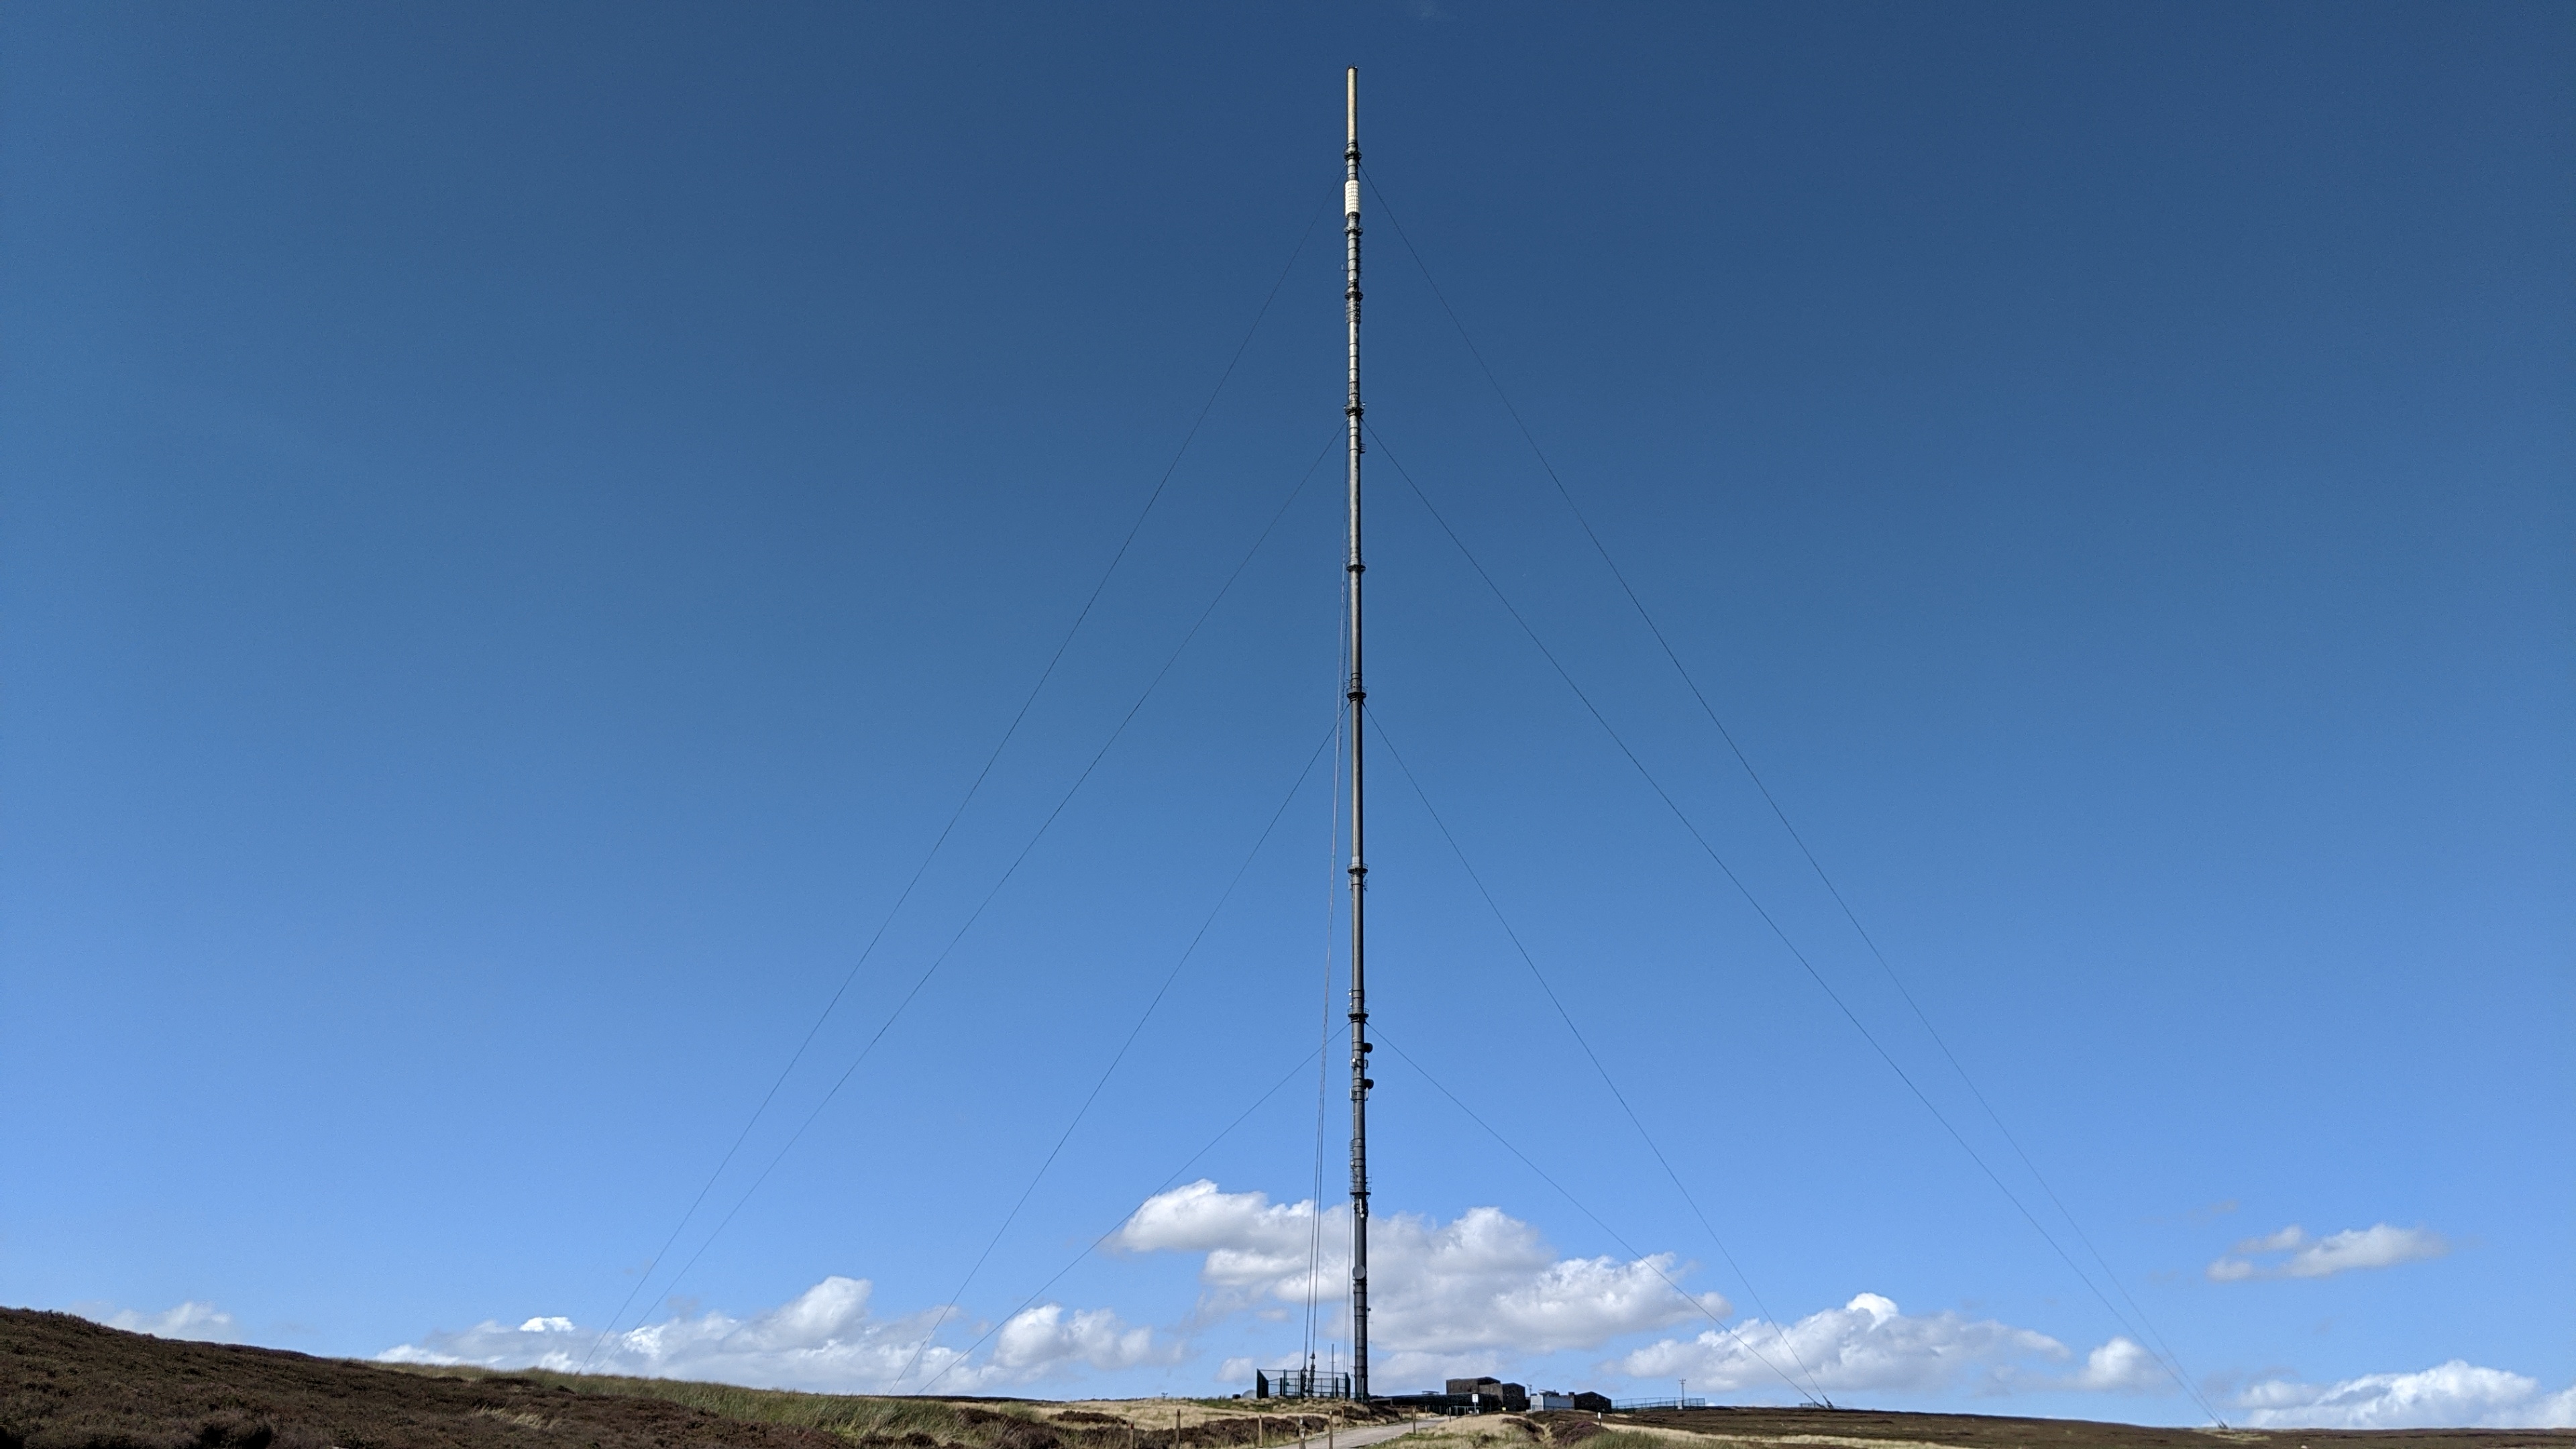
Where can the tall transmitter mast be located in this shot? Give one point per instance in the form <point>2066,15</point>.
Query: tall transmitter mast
<point>1357,697</point>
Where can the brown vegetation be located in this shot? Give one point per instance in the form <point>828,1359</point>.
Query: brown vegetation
<point>1862,1428</point>
<point>67,1383</point>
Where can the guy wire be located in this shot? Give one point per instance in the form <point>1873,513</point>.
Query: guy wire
<point>1095,1244</point>
<point>941,1317</point>
<point>1013,869</point>
<point>1624,1245</point>
<point>1008,733</point>
<point>1780,932</point>
<point>1777,811</point>
<point>1324,1025</point>
<point>1813,1387</point>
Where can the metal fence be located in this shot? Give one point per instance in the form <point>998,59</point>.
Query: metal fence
<point>1626,1404</point>
<point>1300,1383</point>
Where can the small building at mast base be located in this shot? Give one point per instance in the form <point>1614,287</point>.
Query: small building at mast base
<point>1489,1395</point>
<point>1457,1396</point>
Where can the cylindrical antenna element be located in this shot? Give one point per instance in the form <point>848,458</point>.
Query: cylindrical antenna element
<point>1351,103</point>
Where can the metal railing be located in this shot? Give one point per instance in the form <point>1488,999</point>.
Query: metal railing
<point>1300,1383</point>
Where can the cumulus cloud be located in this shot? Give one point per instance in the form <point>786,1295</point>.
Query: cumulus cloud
<point>1468,1294</point>
<point>1446,1296</point>
<point>2121,1366</point>
<point>1042,1341</point>
<point>1471,1293</point>
<point>2457,1394</point>
<point>2293,1254</point>
<point>1869,1344</point>
<point>825,1338</point>
<point>202,1321</point>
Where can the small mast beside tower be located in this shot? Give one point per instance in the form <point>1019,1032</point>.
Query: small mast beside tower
<point>1356,697</point>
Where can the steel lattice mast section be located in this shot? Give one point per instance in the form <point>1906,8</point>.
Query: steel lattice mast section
<point>1357,698</point>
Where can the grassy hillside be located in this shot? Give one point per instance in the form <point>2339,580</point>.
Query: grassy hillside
<point>67,1383</point>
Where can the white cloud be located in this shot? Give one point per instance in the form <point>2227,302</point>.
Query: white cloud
<point>2377,1246</point>
<point>825,1338</point>
<point>1444,1296</point>
<point>1869,1344</point>
<point>1472,1293</point>
<point>202,1321</point>
<point>2122,1366</point>
<point>2457,1394</point>
<point>1464,1295</point>
<point>1041,1341</point>
<point>1468,1295</point>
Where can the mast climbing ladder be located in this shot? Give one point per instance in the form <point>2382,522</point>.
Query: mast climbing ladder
<point>1356,697</point>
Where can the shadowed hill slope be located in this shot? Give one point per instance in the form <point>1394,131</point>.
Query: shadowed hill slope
<point>67,1383</point>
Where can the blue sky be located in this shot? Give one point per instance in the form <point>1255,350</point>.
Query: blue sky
<point>520,527</point>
